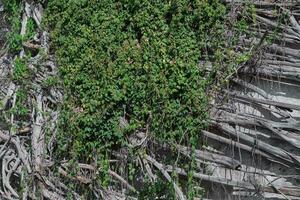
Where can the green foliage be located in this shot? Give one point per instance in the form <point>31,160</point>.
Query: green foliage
<point>15,42</point>
<point>12,8</point>
<point>49,82</point>
<point>137,59</point>
<point>30,29</point>
<point>157,190</point>
<point>21,71</point>
<point>20,109</point>
<point>103,173</point>
<point>15,39</point>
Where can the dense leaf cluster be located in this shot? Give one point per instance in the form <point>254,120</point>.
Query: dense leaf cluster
<point>12,8</point>
<point>136,60</point>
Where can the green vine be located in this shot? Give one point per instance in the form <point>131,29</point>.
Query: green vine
<point>139,61</point>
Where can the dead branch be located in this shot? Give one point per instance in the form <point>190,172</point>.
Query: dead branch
<point>159,166</point>
<point>122,180</point>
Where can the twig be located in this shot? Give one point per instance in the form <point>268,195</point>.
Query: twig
<point>122,180</point>
<point>159,166</point>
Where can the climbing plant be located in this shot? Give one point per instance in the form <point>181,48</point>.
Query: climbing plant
<point>138,62</point>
